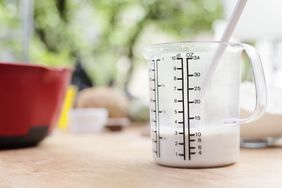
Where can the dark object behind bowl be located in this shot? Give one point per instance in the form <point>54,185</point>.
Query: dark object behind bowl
<point>80,77</point>
<point>30,101</point>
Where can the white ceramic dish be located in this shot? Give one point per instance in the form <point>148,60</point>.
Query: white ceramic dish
<point>269,126</point>
<point>88,120</point>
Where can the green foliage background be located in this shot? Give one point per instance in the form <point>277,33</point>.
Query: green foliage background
<point>59,37</point>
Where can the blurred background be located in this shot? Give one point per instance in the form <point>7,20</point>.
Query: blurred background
<point>106,37</point>
<point>103,40</point>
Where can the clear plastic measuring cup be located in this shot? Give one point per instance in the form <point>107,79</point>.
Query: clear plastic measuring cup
<point>189,131</point>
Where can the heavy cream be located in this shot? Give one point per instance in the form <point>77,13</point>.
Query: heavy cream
<point>214,147</point>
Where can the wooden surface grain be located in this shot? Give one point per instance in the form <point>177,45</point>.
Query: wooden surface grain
<point>125,160</point>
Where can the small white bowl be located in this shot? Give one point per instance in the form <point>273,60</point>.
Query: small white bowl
<point>88,120</point>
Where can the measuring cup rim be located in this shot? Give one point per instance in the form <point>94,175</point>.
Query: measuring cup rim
<point>192,42</point>
<point>159,47</point>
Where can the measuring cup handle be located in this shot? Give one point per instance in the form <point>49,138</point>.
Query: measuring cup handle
<point>260,84</point>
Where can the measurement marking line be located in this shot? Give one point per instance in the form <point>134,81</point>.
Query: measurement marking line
<point>181,154</point>
<point>190,75</point>
<point>179,89</point>
<point>179,68</point>
<point>183,107</point>
<point>191,118</point>
<point>157,109</point>
<point>192,153</point>
<point>192,134</point>
<point>191,102</point>
<point>180,122</point>
<point>179,100</point>
<point>179,78</point>
<point>192,147</point>
<point>180,133</point>
<point>180,111</point>
<point>191,88</point>
<point>189,57</point>
<point>192,140</point>
<point>181,144</point>
<point>188,108</point>
<point>159,85</point>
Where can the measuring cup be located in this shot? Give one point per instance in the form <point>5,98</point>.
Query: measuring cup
<point>192,131</point>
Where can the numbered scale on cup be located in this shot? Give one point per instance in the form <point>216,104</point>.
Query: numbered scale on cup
<point>175,109</point>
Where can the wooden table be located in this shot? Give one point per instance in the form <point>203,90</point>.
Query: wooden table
<point>124,160</point>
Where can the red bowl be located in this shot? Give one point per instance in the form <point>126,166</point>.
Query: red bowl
<point>30,101</point>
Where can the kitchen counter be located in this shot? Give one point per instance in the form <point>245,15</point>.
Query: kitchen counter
<point>124,159</point>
